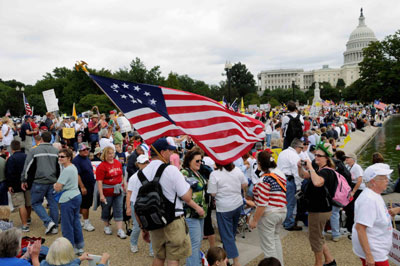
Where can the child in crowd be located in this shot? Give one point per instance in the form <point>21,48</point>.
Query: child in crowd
<point>216,256</point>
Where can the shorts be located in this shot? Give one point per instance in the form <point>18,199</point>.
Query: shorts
<point>114,202</point>
<point>316,225</point>
<point>172,242</point>
<point>87,200</point>
<point>377,263</point>
<point>20,199</point>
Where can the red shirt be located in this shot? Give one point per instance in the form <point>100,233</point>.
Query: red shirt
<point>307,125</point>
<point>110,174</point>
<point>95,130</point>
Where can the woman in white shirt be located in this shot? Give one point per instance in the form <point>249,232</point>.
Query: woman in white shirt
<point>7,130</point>
<point>226,184</point>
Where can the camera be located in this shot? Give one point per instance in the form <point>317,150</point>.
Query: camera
<point>303,163</point>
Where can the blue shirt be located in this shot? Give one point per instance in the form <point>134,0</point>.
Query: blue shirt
<point>85,171</point>
<point>14,262</point>
<point>75,262</point>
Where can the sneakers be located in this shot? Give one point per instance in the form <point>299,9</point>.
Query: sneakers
<point>335,239</point>
<point>332,263</point>
<point>151,254</point>
<point>54,230</point>
<point>121,234</point>
<point>88,226</point>
<point>107,230</point>
<point>25,228</point>
<point>294,228</point>
<point>134,249</point>
<point>79,252</point>
<point>29,221</point>
<point>49,227</point>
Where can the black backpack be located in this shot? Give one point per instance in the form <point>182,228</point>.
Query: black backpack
<point>294,128</point>
<point>152,208</point>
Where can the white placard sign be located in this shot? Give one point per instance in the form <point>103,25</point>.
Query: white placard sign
<point>394,254</point>
<point>51,100</point>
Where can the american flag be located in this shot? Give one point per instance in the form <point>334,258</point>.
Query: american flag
<point>157,111</point>
<point>28,109</point>
<point>379,105</point>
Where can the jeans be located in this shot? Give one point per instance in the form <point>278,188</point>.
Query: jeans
<point>38,192</point>
<point>227,225</point>
<point>196,235</point>
<point>291,204</point>
<point>136,230</point>
<point>268,228</point>
<point>93,138</point>
<point>335,224</point>
<point>70,223</point>
<point>3,193</point>
<point>116,203</point>
<point>268,140</point>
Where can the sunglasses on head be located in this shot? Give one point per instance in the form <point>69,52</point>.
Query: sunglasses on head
<point>320,155</point>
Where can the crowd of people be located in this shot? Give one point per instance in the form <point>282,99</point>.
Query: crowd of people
<point>81,163</point>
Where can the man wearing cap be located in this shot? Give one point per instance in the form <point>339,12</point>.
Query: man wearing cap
<point>372,234</point>
<point>86,183</point>
<point>285,123</point>
<point>49,123</point>
<point>131,165</point>
<point>172,242</point>
<point>94,128</point>
<point>357,187</point>
<point>42,166</point>
<point>27,133</point>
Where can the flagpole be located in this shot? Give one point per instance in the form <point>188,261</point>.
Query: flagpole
<point>82,65</point>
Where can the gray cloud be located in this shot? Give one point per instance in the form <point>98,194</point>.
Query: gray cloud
<point>187,37</point>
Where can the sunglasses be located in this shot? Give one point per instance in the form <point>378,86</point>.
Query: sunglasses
<point>61,156</point>
<point>320,155</point>
<point>198,161</point>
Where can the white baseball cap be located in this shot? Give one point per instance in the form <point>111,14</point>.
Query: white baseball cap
<point>142,159</point>
<point>375,170</point>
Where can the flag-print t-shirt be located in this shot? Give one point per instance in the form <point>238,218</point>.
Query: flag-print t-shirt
<point>110,174</point>
<point>269,192</point>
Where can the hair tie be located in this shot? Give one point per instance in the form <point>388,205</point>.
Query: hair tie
<point>271,159</point>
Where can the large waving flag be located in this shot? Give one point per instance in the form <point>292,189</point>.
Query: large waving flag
<point>379,105</point>
<point>28,109</point>
<point>157,111</point>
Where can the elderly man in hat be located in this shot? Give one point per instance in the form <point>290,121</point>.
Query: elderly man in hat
<point>94,128</point>
<point>86,183</point>
<point>357,187</point>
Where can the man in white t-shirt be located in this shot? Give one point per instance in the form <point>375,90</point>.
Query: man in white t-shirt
<point>285,123</point>
<point>357,187</point>
<point>372,230</point>
<point>172,242</point>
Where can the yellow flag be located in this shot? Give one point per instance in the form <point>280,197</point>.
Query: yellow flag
<point>74,112</point>
<point>317,104</point>
<point>242,110</point>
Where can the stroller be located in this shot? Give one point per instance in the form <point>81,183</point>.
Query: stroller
<point>243,225</point>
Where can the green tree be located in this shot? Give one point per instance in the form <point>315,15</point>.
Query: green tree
<point>379,70</point>
<point>242,80</point>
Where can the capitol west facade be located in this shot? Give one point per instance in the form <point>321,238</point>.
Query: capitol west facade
<point>349,72</point>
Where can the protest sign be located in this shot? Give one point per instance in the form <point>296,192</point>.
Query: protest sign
<point>394,254</point>
<point>50,100</point>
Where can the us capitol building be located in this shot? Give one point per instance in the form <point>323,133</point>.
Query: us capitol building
<point>349,72</point>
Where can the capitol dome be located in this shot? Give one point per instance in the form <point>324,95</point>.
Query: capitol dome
<point>359,39</point>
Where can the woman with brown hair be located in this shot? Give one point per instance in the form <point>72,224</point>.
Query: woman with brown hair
<point>226,184</point>
<point>270,201</point>
<point>318,194</point>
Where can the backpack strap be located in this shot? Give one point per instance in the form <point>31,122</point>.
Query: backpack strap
<point>276,179</point>
<point>142,178</point>
<point>159,172</point>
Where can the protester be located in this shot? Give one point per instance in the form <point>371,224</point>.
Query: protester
<point>131,165</point>
<point>319,193</point>
<point>172,242</point>
<point>42,162</point>
<point>372,230</point>
<point>70,200</point>
<point>7,130</point>
<point>216,256</point>
<point>142,162</point>
<point>21,200</point>
<point>94,128</point>
<point>86,183</point>
<point>269,262</point>
<point>10,246</point>
<point>225,184</point>
<point>190,169</point>
<point>110,186</point>
<point>62,253</point>
<point>292,125</point>
<point>270,199</point>
<point>3,183</point>
<point>287,163</point>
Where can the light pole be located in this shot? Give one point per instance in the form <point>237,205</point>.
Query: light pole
<point>20,89</point>
<point>340,92</point>
<point>293,87</point>
<point>228,68</point>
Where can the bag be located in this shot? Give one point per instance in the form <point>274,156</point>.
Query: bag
<point>152,208</point>
<point>295,128</point>
<point>341,197</point>
<point>277,180</point>
<point>57,195</point>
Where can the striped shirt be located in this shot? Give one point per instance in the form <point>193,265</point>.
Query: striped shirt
<point>270,194</point>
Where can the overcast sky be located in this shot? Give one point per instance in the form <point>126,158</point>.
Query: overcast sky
<point>188,37</point>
